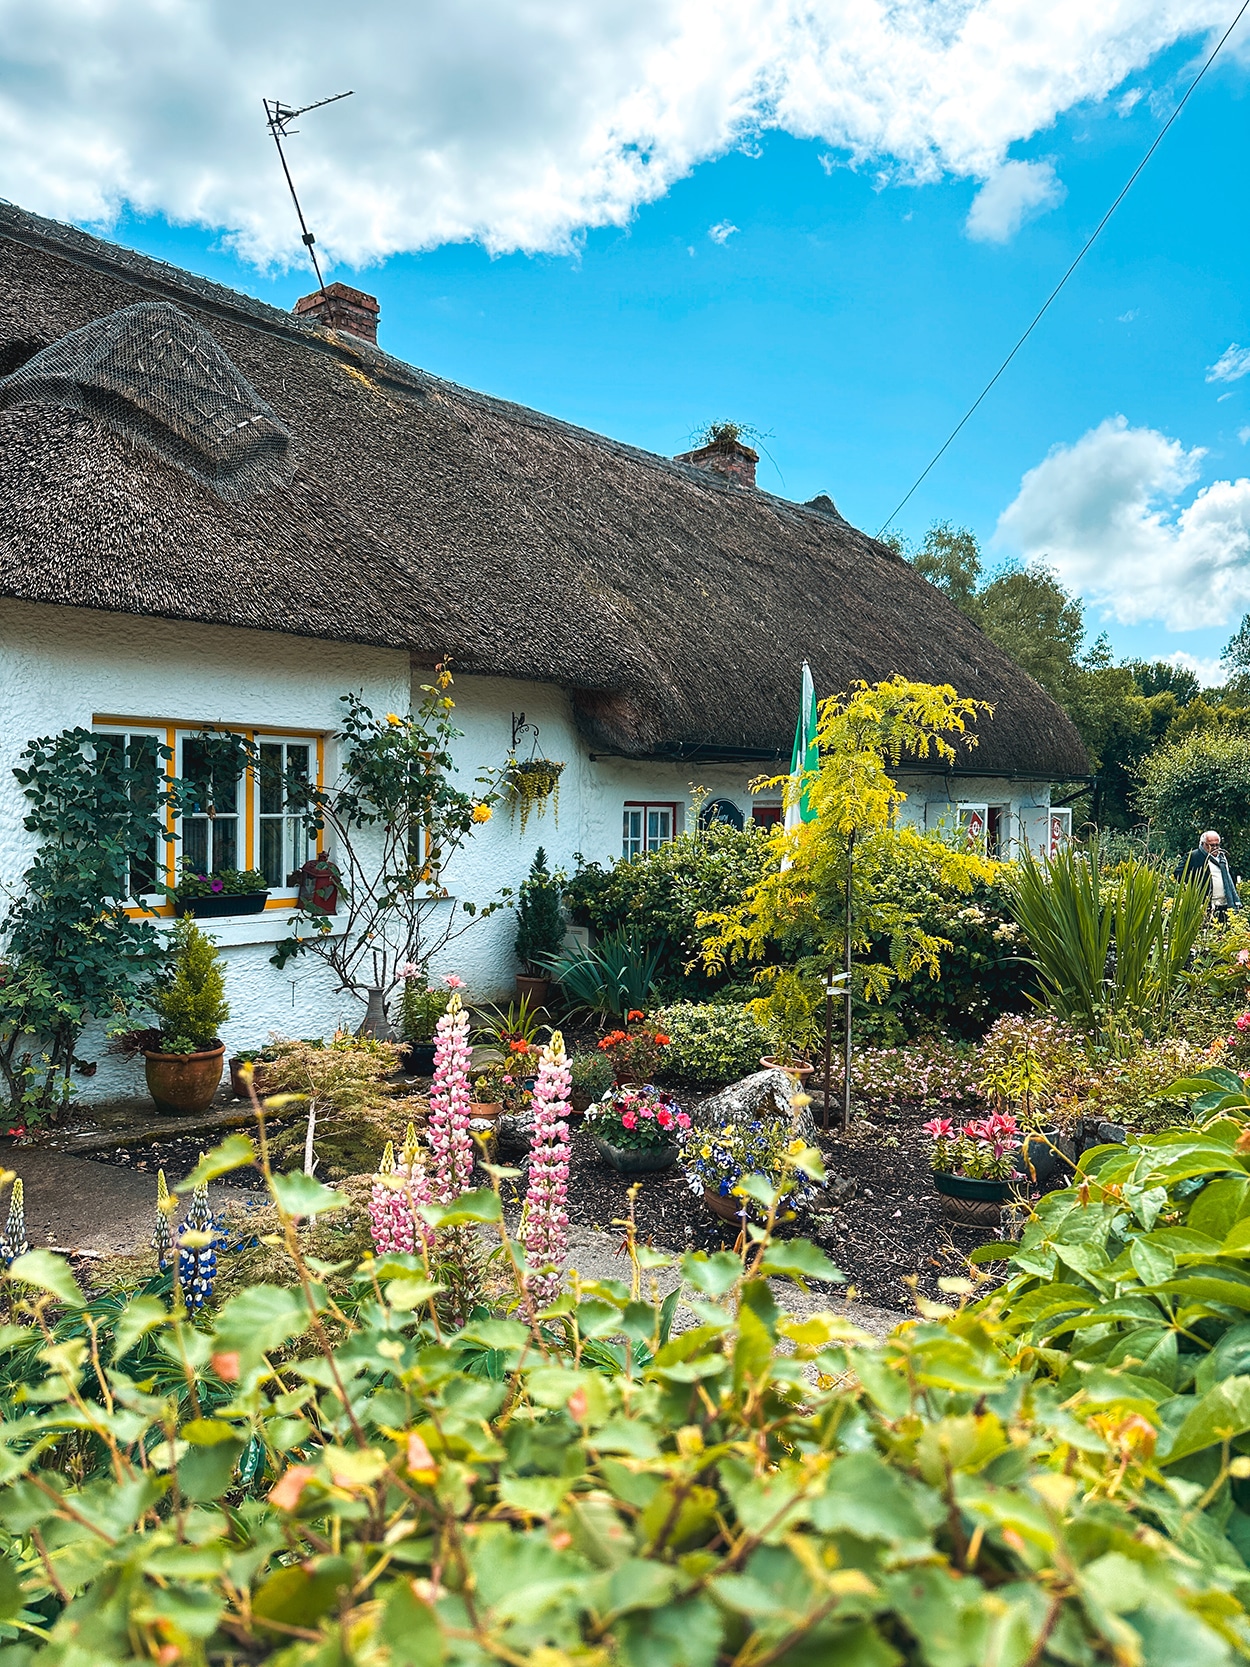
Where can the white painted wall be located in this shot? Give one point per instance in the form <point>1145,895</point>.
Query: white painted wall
<point>61,666</point>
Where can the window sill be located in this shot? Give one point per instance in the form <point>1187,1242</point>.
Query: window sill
<point>229,931</point>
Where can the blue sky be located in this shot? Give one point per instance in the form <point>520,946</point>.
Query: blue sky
<point>851,321</point>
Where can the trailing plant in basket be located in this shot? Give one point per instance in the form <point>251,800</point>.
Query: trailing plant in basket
<point>223,882</point>
<point>530,782</point>
<point>637,1119</point>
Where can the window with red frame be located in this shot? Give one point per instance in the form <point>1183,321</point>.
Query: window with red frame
<point>767,816</point>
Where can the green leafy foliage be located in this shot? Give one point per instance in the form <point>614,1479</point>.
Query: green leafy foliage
<point>712,1041</point>
<point>660,895</point>
<point>191,1002</point>
<point>1111,949</point>
<point>290,1483</point>
<point>97,808</point>
<point>1201,781</point>
<point>611,978</point>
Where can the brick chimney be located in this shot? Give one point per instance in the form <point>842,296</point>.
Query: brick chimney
<point>342,308</point>
<point>725,455</point>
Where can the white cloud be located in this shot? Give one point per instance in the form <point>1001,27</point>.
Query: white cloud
<point>1106,514</point>
<point>520,126</point>
<point>1243,434</point>
<point>1019,191</point>
<point>721,232</point>
<point>1129,316</point>
<point>1210,673</point>
<point>1231,365</point>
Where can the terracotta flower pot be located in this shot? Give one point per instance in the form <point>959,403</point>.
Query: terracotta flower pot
<point>532,989</point>
<point>184,1083</point>
<point>628,1160</point>
<point>802,1072</point>
<point>728,1209</point>
<point>237,1087</point>
<point>484,1111</point>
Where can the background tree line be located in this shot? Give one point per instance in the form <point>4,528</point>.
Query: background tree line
<point>1165,750</point>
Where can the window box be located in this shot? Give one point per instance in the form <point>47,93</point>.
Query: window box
<point>224,903</point>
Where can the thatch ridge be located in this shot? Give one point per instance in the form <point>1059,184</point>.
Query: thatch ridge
<point>673,605</point>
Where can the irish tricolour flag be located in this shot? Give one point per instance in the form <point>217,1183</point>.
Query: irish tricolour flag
<point>804,758</point>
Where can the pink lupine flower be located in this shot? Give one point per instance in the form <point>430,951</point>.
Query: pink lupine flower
<point>545,1222</point>
<point>450,1140</point>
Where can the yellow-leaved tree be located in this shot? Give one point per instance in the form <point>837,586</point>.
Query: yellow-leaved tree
<point>804,904</point>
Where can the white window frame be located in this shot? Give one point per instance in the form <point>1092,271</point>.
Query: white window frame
<point>646,841</point>
<point>1058,827</point>
<point>149,900</point>
<point>967,812</point>
<point>282,889</point>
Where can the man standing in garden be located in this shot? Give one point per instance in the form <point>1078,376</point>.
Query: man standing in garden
<point>1209,866</point>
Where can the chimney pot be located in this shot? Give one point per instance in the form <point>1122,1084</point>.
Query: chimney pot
<point>339,307</point>
<point>726,457</point>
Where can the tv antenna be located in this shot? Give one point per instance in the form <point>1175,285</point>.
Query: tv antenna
<point>279,116</point>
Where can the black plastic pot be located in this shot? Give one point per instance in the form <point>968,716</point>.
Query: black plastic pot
<point>417,1059</point>
<point>224,903</point>
<point>1046,1156</point>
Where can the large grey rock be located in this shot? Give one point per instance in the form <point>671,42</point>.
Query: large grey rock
<point>764,1094</point>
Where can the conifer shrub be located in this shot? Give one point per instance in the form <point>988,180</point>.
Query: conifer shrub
<point>191,1003</point>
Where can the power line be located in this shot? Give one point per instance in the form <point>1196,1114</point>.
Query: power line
<point>1044,308</point>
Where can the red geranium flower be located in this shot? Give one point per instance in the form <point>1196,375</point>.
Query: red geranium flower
<point>634,1015</point>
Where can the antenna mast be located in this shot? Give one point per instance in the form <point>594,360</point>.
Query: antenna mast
<point>278,116</point>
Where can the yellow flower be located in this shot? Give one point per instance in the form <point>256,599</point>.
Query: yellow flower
<point>394,718</point>
<point>705,1151</point>
<point>481,813</point>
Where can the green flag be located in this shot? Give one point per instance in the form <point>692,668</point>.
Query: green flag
<point>805,756</point>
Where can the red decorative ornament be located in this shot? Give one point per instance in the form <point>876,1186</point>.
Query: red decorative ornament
<point>319,886</point>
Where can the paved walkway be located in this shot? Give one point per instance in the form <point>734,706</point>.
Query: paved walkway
<point>76,1204</point>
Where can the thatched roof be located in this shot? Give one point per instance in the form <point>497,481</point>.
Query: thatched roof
<point>673,605</point>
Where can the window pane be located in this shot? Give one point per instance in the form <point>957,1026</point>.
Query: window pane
<point>195,843</point>
<point>271,851</point>
<point>212,783</point>
<point>271,794</point>
<point>226,842</point>
<point>631,841</point>
<point>299,845</point>
<point>145,767</point>
<point>297,760</point>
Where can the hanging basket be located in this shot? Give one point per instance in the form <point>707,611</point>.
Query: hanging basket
<point>530,782</point>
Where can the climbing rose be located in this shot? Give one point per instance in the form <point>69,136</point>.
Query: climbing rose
<point>545,1222</point>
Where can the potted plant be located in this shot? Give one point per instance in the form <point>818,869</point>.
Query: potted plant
<point>636,1129</point>
<point>591,1077</point>
<point>420,1009</point>
<point>255,1057</point>
<point>227,891</point>
<point>183,1061</point>
<point>974,1165</point>
<point>789,1013</point>
<point>539,929</point>
<point>530,782</point>
<point>715,1161</point>
<point>635,1052</point>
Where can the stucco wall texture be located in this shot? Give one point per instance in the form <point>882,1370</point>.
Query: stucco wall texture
<point>65,666</point>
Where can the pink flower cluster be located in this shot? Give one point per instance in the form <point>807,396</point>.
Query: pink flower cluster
<point>980,1149</point>
<point>1243,1023</point>
<point>398,1191</point>
<point>1243,957</point>
<point>450,1140</point>
<point>665,1117</point>
<point>545,1224</point>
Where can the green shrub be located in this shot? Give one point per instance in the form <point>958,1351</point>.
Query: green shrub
<point>192,1004</point>
<point>420,1008</point>
<point>281,1481</point>
<point>539,918</point>
<point>711,1042</point>
<point>590,1076</point>
<point>660,895</point>
<point>1200,782</point>
<point>611,978</point>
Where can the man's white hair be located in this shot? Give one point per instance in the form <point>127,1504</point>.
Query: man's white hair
<point>1210,834</point>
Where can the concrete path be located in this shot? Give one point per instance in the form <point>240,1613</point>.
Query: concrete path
<point>79,1205</point>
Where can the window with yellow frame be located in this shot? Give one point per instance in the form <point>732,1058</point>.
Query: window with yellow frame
<point>245,823</point>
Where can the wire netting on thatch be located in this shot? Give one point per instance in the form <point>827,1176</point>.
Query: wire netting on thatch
<point>151,374</point>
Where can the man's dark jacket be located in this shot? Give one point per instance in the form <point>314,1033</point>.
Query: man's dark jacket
<point>1194,867</point>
